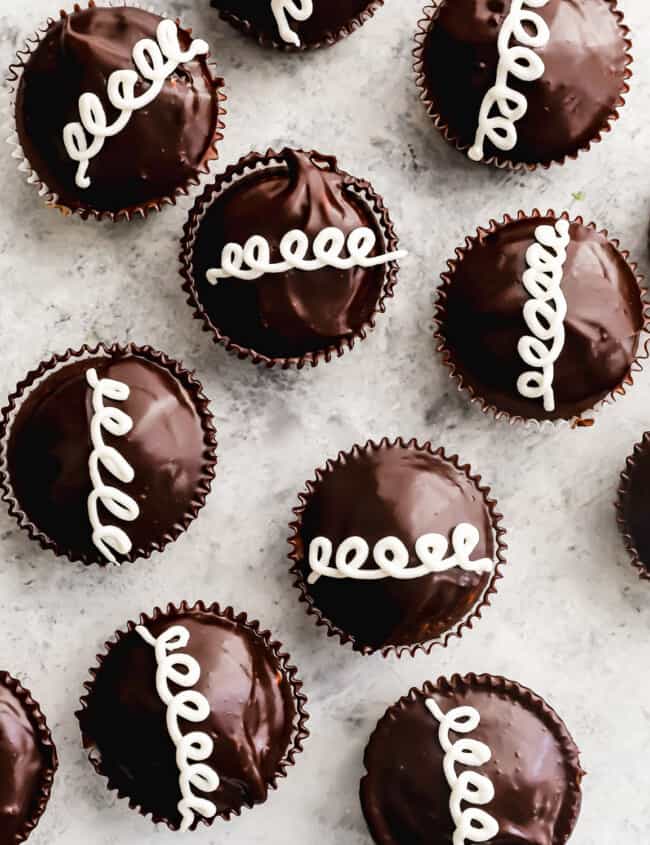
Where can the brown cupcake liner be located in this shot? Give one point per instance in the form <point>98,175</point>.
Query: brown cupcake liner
<point>299,734</point>
<point>486,408</point>
<point>48,749</point>
<point>297,556</point>
<point>59,361</point>
<point>244,167</point>
<point>530,701</point>
<point>331,38</point>
<point>624,490</point>
<point>430,15</point>
<point>50,197</point>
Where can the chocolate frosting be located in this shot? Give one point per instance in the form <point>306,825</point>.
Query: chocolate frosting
<point>534,767</point>
<point>49,445</point>
<point>405,492</point>
<point>586,67</point>
<point>163,146</point>
<point>482,320</point>
<point>296,312</point>
<point>252,712</point>
<point>634,505</point>
<point>24,761</point>
<point>326,22</point>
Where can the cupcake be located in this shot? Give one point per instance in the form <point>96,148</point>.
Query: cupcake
<point>396,547</point>
<point>193,714</point>
<point>117,111</point>
<point>106,454</point>
<point>525,83</point>
<point>28,762</point>
<point>541,318</point>
<point>633,505</point>
<point>297,24</point>
<point>476,759</point>
<point>287,259</point>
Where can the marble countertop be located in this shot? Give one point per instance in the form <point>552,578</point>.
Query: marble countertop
<point>571,619</point>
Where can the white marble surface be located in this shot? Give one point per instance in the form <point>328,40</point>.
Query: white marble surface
<point>571,619</point>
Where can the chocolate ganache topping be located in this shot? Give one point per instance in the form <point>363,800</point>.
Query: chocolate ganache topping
<point>533,766</point>
<point>163,146</point>
<point>55,429</point>
<point>404,492</point>
<point>482,319</point>
<point>585,65</point>
<point>27,763</point>
<point>634,506</point>
<point>326,19</point>
<point>251,715</point>
<point>294,312</point>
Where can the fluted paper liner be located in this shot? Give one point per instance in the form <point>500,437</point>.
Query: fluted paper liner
<point>297,554</point>
<point>329,39</point>
<point>116,350</point>
<point>244,167</point>
<point>289,672</point>
<point>455,370</point>
<point>430,14</point>
<point>624,492</point>
<point>530,701</point>
<point>47,748</point>
<point>49,196</point>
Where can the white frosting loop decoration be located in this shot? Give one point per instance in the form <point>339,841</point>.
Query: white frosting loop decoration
<point>392,557</point>
<point>154,63</point>
<point>531,31</point>
<point>544,313</point>
<point>117,502</point>
<point>253,260</point>
<point>472,824</point>
<point>194,748</point>
<point>299,10</point>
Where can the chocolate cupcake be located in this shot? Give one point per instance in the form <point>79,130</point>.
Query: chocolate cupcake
<point>521,83</point>
<point>297,24</point>
<point>28,762</point>
<point>477,759</point>
<point>106,454</point>
<point>541,318</point>
<point>117,111</point>
<point>396,547</point>
<point>193,714</point>
<point>633,505</point>
<point>287,259</point>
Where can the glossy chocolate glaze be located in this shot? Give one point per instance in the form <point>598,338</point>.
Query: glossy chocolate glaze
<point>635,504</point>
<point>585,62</point>
<point>292,313</point>
<point>49,446</point>
<point>23,762</point>
<point>402,492</point>
<point>483,320</point>
<point>534,769</point>
<point>251,718</point>
<point>328,18</point>
<point>163,146</point>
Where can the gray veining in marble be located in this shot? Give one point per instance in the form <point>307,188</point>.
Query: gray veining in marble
<point>571,619</point>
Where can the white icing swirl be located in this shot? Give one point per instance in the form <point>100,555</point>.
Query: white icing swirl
<point>193,748</point>
<point>253,260</point>
<point>472,823</point>
<point>545,312</point>
<point>392,557</point>
<point>149,58</point>
<point>530,30</point>
<point>299,10</point>
<point>120,504</point>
